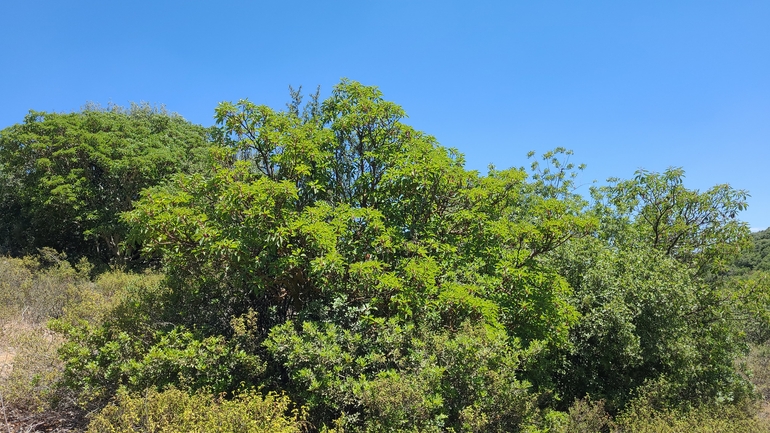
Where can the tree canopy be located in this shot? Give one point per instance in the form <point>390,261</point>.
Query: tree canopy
<point>65,178</point>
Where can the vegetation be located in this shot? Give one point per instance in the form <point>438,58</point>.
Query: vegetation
<point>65,178</point>
<point>173,411</point>
<point>329,268</point>
<point>757,258</point>
<point>32,291</point>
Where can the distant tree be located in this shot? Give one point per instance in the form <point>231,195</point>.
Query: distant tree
<point>65,178</point>
<point>751,271</point>
<point>698,229</point>
<point>756,257</point>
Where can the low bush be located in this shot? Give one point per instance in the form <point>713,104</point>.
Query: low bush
<point>34,290</point>
<point>173,411</point>
<point>642,418</point>
<point>31,368</point>
<point>135,347</point>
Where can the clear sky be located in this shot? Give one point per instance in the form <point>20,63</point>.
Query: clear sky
<point>626,85</point>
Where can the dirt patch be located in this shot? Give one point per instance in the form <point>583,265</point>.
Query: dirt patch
<point>6,362</point>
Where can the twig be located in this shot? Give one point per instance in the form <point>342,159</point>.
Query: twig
<point>5,413</point>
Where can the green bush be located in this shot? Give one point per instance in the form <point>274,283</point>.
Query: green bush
<point>348,260</point>
<point>134,347</point>
<point>644,317</point>
<point>64,178</point>
<point>389,378</point>
<point>174,411</point>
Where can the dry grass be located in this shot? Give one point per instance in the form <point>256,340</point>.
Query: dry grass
<point>29,370</point>
<point>33,291</point>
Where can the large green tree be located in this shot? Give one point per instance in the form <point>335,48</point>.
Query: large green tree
<point>65,178</point>
<point>379,281</point>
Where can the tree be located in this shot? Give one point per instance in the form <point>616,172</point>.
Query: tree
<point>65,178</point>
<point>343,223</point>
<point>657,307</point>
<point>756,257</point>
<point>334,253</point>
<point>699,229</point>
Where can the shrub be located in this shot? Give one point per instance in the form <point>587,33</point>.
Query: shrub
<point>134,347</point>
<point>34,290</point>
<point>31,368</point>
<point>758,363</point>
<point>644,415</point>
<point>586,416</point>
<point>643,418</point>
<point>390,378</point>
<point>172,411</point>
<point>65,177</point>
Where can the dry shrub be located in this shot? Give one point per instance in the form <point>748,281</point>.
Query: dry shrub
<point>93,302</point>
<point>758,363</point>
<point>587,416</point>
<point>174,411</point>
<point>34,290</point>
<point>641,417</point>
<point>31,375</point>
<point>584,416</point>
<point>644,416</point>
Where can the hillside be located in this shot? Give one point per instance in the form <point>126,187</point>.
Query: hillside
<point>756,258</point>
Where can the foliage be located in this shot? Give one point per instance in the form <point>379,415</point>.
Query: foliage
<point>343,217</point>
<point>389,378</point>
<point>699,229</point>
<point>34,290</point>
<point>332,252</point>
<point>134,348</point>
<point>756,258</point>
<point>174,411</point>
<point>758,364</point>
<point>643,417</point>
<point>254,230</point>
<point>645,316</point>
<point>654,299</point>
<point>31,368</point>
<point>38,288</point>
<point>584,416</point>
<point>64,178</point>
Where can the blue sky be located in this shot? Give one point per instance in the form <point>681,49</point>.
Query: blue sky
<point>626,85</point>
